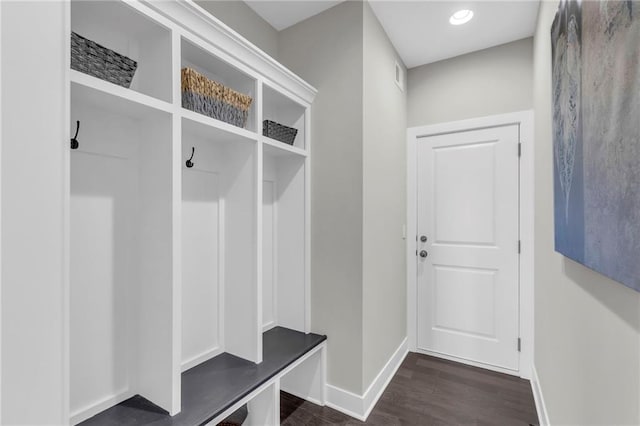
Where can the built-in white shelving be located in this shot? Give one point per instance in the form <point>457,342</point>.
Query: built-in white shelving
<point>275,148</point>
<point>208,124</point>
<point>283,225</point>
<point>134,31</point>
<point>195,55</point>
<point>282,109</point>
<point>170,265</point>
<point>93,91</point>
<point>219,216</point>
<point>120,256</point>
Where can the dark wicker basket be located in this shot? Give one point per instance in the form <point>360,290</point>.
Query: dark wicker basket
<point>91,58</point>
<point>213,99</point>
<point>279,132</point>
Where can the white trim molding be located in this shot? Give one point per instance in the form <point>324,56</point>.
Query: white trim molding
<point>541,408</point>
<point>466,361</point>
<point>526,187</point>
<point>346,402</point>
<point>360,406</point>
<point>98,407</point>
<point>187,14</point>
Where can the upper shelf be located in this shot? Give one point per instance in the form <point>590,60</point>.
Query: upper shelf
<point>86,89</point>
<point>276,148</point>
<point>284,110</point>
<point>206,63</point>
<point>211,128</point>
<point>121,27</point>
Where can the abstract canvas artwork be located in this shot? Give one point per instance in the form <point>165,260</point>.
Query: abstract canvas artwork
<point>596,136</point>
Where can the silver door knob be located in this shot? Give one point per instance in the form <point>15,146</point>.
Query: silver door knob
<point>423,238</point>
<point>423,253</point>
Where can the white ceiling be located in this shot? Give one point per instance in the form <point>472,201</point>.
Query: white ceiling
<point>420,29</point>
<point>421,33</point>
<point>283,14</point>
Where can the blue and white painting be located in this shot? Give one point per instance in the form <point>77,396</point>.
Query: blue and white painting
<point>596,136</point>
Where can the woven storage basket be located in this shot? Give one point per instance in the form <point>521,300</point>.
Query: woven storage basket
<point>213,99</point>
<point>91,58</point>
<point>279,132</point>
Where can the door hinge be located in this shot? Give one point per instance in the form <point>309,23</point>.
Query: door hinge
<point>519,149</point>
<point>519,246</point>
<point>519,344</point>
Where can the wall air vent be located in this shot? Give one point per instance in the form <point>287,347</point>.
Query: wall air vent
<point>399,76</point>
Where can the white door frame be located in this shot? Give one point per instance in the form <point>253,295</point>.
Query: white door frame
<point>526,205</point>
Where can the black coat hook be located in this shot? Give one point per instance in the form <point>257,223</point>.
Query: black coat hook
<point>74,141</point>
<point>189,163</point>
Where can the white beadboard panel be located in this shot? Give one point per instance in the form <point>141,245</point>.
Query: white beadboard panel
<point>200,264</point>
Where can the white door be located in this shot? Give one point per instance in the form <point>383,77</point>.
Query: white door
<point>468,213</point>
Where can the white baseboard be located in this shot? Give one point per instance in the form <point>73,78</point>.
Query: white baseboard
<point>346,402</point>
<point>380,383</point>
<point>360,406</point>
<point>469,362</point>
<point>541,408</point>
<point>90,411</point>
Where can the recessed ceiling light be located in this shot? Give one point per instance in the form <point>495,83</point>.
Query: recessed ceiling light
<point>461,17</point>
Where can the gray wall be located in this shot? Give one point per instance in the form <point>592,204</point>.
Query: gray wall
<point>587,347</point>
<point>491,81</point>
<point>241,18</point>
<point>326,51</point>
<point>358,179</point>
<point>384,201</point>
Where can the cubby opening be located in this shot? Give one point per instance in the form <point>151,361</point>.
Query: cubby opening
<point>214,68</point>
<point>219,219</point>
<point>264,408</point>
<point>120,255</point>
<point>306,380</point>
<point>122,28</point>
<point>282,109</point>
<point>283,241</point>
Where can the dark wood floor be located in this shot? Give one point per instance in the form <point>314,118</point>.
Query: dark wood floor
<point>431,391</point>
